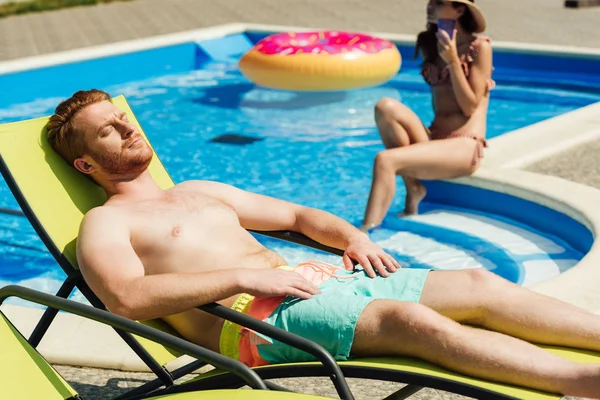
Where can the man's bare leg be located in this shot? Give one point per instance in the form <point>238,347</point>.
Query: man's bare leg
<point>389,327</point>
<point>481,298</point>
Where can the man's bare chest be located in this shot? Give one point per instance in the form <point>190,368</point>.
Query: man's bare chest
<point>177,222</point>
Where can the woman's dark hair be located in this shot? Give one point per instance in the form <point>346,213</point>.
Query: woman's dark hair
<point>427,44</point>
<point>427,40</point>
<point>466,20</point>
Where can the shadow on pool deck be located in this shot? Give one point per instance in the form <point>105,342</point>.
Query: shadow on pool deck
<point>97,384</point>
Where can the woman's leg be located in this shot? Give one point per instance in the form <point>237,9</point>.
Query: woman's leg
<point>398,126</point>
<point>392,328</point>
<point>440,159</point>
<point>479,297</point>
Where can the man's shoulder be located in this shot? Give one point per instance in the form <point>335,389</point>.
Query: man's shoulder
<point>99,217</point>
<point>99,212</point>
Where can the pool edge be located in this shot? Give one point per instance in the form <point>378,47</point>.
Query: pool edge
<point>578,285</point>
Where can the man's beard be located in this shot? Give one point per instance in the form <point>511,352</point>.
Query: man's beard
<point>122,164</point>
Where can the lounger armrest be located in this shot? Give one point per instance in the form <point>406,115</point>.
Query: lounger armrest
<point>116,321</point>
<point>299,238</point>
<point>329,363</point>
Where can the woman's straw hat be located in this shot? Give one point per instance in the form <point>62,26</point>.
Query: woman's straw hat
<point>477,14</point>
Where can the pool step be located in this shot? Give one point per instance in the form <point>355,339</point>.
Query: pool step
<point>451,238</point>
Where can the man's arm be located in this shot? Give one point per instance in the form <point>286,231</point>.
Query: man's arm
<point>116,275</point>
<point>265,213</point>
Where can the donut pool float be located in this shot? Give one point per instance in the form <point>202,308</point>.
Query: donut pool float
<point>320,61</point>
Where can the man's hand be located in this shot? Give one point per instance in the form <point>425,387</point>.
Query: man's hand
<point>370,256</point>
<point>276,282</point>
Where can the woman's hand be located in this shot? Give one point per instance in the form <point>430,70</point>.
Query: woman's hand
<point>447,47</point>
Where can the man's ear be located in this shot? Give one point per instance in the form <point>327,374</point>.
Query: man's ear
<point>82,165</point>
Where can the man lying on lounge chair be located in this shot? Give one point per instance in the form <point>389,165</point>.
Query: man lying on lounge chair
<point>153,253</point>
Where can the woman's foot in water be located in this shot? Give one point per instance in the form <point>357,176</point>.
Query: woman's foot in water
<point>367,228</point>
<point>415,192</point>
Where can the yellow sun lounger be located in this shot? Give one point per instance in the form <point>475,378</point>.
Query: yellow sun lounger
<point>55,197</point>
<point>26,375</point>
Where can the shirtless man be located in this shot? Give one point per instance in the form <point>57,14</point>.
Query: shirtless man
<point>153,253</point>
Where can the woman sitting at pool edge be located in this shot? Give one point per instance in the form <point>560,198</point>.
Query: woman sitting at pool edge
<point>458,70</point>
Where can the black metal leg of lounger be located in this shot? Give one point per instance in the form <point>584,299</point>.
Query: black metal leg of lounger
<point>44,323</point>
<point>187,369</point>
<point>162,374</point>
<point>279,388</point>
<point>124,324</point>
<point>404,393</point>
<point>143,391</point>
<point>147,388</point>
<point>330,365</point>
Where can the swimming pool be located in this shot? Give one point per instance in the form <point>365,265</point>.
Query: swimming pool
<point>207,122</point>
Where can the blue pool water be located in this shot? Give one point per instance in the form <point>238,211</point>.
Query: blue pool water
<point>315,149</point>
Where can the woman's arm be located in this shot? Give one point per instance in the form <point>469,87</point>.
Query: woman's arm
<point>468,92</point>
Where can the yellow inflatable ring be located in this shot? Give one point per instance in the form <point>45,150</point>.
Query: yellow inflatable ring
<point>320,61</point>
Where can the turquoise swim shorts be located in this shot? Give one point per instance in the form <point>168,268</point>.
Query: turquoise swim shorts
<point>330,318</point>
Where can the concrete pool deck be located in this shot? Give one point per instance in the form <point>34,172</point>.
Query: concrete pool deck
<point>510,20</point>
<point>533,21</point>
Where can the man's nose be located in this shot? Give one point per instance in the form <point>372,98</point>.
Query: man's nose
<point>127,129</point>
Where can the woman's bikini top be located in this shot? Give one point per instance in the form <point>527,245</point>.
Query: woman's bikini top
<point>435,75</point>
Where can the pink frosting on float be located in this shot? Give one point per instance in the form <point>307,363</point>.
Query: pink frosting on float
<point>321,42</point>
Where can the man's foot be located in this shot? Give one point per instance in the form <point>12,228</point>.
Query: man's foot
<point>414,194</point>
